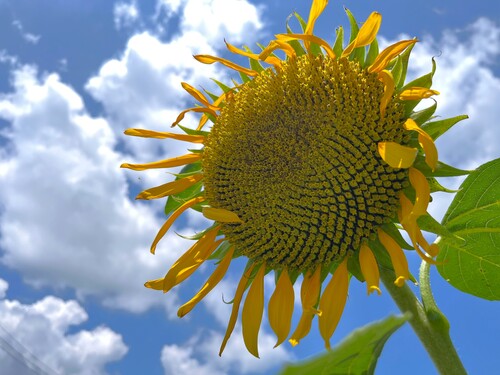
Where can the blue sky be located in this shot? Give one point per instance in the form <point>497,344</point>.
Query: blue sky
<point>73,242</point>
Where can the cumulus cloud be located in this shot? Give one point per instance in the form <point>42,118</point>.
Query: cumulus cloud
<point>125,14</point>
<point>35,339</point>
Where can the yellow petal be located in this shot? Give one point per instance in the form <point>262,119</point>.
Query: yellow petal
<point>167,163</point>
<point>162,135</point>
<point>273,46</point>
<point>422,190</point>
<point>317,8</point>
<point>398,257</point>
<point>155,284</point>
<point>236,306</point>
<point>332,302</point>
<point>309,38</point>
<point>369,269</point>
<point>166,226</point>
<point>194,109</point>
<point>170,188</point>
<point>397,156</point>
<point>367,33</point>
<point>251,316</point>
<point>386,77</point>
<point>431,153</point>
<point>383,59</point>
<point>212,281</point>
<point>432,250</point>
<point>207,59</point>
<point>221,215</point>
<point>309,294</point>
<point>280,307</point>
<point>198,96</point>
<point>417,93</point>
<point>270,59</point>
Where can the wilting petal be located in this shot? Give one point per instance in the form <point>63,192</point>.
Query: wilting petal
<point>251,316</point>
<point>332,302</point>
<point>422,190</point>
<point>221,215</point>
<point>194,109</point>
<point>398,257</point>
<point>432,250</point>
<point>308,38</point>
<point>317,8</point>
<point>280,307</point>
<point>386,77</point>
<point>425,140</point>
<point>167,163</point>
<point>397,156</point>
<point>385,57</point>
<point>369,269</point>
<point>207,59</point>
<point>198,96</point>
<point>367,33</point>
<point>236,306</point>
<point>212,281</point>
<point>165,227</point>
<point>170,188</point>
<point>417,93</point>
<point>309,294</point>
<point>162,135</point>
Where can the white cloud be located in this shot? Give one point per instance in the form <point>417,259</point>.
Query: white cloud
<point>35,338</point>
<point>3,288</point>
<point>28,37</point>
<point>125,14</point>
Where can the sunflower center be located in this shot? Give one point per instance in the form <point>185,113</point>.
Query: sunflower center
<point>294,154</point>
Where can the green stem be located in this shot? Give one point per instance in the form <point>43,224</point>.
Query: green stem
<point>430,325</point>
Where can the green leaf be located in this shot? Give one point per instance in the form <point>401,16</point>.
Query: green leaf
<point>175,201</point>
<point>357,354</point>
<point>474,215</point>
<point>442,169</point>
<point>425,114</point>
<point>438,128</point>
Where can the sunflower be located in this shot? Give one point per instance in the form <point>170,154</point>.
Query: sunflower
<point>314,163</point>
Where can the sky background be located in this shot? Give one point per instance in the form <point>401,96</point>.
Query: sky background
<point>74,245</point>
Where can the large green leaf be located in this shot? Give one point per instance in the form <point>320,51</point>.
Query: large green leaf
<point>357,354</point>
<point>473,265</point>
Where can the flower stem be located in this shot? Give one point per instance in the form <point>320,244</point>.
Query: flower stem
<point>428,322</point>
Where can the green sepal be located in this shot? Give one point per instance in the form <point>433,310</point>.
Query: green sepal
<point>297,47</point>
<point>338,46</point>
<point>359,53</point>
<point>212,95</point>
<point>199,235</point>
<point>254,64</point>
<point>244,77</point>
<point>193,131</point>
<point>397,69</point>
<point>436,186</point>
<point>354,267</point>
<point>221,251</point>
<point>442,169</point>
<point>176,200</point>
<point>383,257</point>
<point>313,47</point>
<point>429,224</point>
<point>394,232</point>
<point>423,81</point>
<point>373,51</point>
<point>222,86</point>
<point>424,115</point>
<point>437,128</point>
<point>405,58</point>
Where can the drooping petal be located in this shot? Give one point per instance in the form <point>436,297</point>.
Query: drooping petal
<point>432,250</point>
<point>308,38</point>
<point>170,188</point>
<point>270,59</point>
<point>207,59</point>
<point>167,163</point>
<point>397,156</point>
<point>309,294</point>
<point>236,306</point>
<point>195,93</point>
<point>317,8</point>
<point>367,33</point>
<point>369,269</point>
<point>333,301</point>
<point>383,59</point>
<point>171,219</point>
<point>398,257</point>
<point>162,135</point>
<point>273,46</point>
<point>280,308</point>
<point>425,140</point>
<point>386,77</point>
<point>422,190</point>
<point>417,93</point>
<point>221,215</point>
<point>251,316</point>
<point>194,109</point>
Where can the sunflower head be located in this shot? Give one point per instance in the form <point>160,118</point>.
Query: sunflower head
<point>313,163</point>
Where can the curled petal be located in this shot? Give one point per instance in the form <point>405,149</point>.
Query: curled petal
<point>270,59</point>
<point>417,93</point>
<point>221,215</point>
<point>194,109</point>
<point>431,153</point>
<point>386,77</point>
<point>251,316</point>
<point>273,46</point>
<point>167,163</point>
<point>423,192</point>
<point>207,59</point>
<point>236,306</point>
<point>198,96</point>
<point>369,269</point>
<point>317,8</point>
<point>162,135</point>
<point>170,188</point>
<point>308,38</point>
<point>333,301</point>
<point>280,308</point>
<point>398,257</point>
<point>383,59</point>
<point>212,281</point>
<point>367,33</point>
<point>397,156</point>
